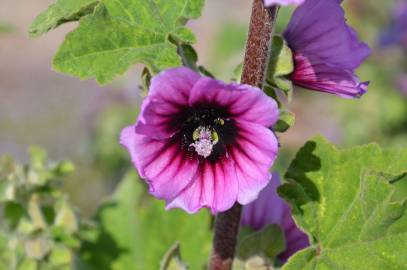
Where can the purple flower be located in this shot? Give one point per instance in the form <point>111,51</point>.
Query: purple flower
<point>326,50</point>
<point>199,142</point>
<point>282,2</point>
<point>268,209</point>
<point>397,33</point>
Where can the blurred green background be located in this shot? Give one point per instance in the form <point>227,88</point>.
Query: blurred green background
<point>81,121</point>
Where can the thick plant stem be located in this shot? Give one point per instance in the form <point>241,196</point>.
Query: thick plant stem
<point>258,43</point>
<point>254,69</point>
<point>226,230</point>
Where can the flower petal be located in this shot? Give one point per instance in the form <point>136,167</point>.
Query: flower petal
<point>244,102</point>
<point>268,208</point>
<point>295,238</point>
<point>164,167</point>
<point>168,96</point>
<point>174,85</point>
<point>314,73</point>
<point>268,3</point>
<point>254,152</point>
<point>214,186</point>
<point>318,28</point>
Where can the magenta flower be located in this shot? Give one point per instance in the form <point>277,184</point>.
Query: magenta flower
<point>199,142</point>
<point>326,50</point>
<point>269,208</point>
<point>282,2</point>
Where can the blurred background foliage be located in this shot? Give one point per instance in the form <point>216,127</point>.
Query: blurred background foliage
<point>81,121</point>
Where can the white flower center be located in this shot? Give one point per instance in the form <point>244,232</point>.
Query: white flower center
<point>205,139</point>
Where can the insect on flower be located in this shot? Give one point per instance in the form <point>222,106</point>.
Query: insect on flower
<point>199,142</point>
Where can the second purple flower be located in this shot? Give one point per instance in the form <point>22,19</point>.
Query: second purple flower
<point>199,142</point>
<point>269,208</point>
<point>326,50</point>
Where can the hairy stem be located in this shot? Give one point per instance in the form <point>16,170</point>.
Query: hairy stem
<point>226,230</point>
<point>254,69</point>
<point>258,43</point>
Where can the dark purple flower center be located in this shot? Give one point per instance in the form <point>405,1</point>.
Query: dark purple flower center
<point>205,131</point>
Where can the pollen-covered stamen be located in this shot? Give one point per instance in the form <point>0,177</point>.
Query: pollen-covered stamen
<point>204,140</point>
<point>205,132</point>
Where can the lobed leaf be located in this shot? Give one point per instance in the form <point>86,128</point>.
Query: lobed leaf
<point>120,33</point>
<point>349,202</point>
<point>61,12</point>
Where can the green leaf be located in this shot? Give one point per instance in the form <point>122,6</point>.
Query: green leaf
<point>272,92</point>
<point>37,248</point>
<point>66,218</point>
<point>260,248</point>
<point>60,235</point>
<point>136,231</point>
<point>189,59</point>
<point>280,65</point>
<point>304,259</point>
<point>172,259</point>
<point>61,12</point>
<point>237,73</point>
<point>61,256</point>
<point>286,121</point>
<point>35,212</point>
<point>268,241</point>
<point>400,182</point>
<point>188,55</point>
<point>38,157</point>
<point>205,72</point>
<point>121,33</point>
<point>183,35</point>
<point>281,59</point>
<point>13,213</point>
<point>64,168</point>
<point>345,200</point>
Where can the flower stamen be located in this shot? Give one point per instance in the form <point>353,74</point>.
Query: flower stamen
<point>204,140</point>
